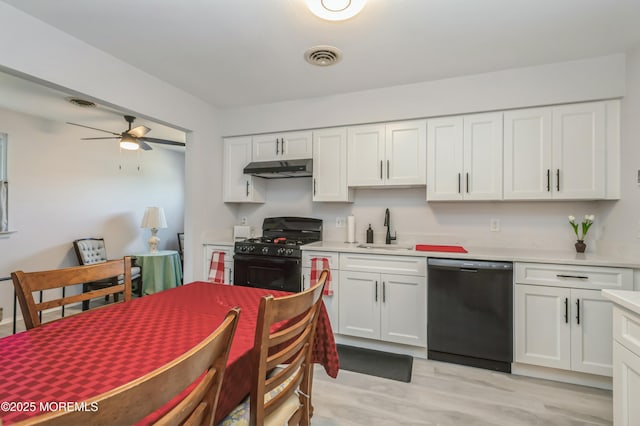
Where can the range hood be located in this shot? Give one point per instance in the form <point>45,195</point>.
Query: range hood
<point>280,169</point>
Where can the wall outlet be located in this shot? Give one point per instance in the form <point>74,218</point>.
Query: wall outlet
<point>341,222</point>
<point>243,220</point>
<point>494,225</point>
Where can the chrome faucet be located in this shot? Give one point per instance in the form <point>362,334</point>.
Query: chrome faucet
<point>387,223</point>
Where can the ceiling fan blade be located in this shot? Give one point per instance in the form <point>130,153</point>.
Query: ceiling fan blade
<point>88,127</point>
<point>89,139</point>
<point>144,145</point>
<point>139,131</point>
<point>162,141</point>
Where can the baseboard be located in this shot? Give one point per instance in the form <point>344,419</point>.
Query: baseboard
<point>564,376</point>
<point>397,348</point>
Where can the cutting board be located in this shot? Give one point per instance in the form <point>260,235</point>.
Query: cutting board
<point>448,249</point>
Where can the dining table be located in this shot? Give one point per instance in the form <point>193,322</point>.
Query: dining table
<point>70,360</point>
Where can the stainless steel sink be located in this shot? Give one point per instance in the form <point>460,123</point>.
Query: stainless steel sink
<point>384,246</point>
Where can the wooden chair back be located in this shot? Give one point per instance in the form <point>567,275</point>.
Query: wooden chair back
<point>292,346</point>
<point>132,402</point>
<point>26,283</point>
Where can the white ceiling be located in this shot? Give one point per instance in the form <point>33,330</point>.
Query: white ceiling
<point>244,52</point>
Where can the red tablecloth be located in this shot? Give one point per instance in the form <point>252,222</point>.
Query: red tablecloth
<point>90,353</point>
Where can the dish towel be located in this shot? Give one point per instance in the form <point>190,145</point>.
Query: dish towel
<point>318,264</point>
<point>216,268</point>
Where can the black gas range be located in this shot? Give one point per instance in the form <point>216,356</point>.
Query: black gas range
<point>274,261</point>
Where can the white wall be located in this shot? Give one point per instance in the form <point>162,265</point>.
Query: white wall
<point>523,224</point>
<point>63,188</point>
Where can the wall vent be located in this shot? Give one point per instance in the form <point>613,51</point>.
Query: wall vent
<point>323,56</point>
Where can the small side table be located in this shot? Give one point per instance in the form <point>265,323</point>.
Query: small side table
<point>160,271</point>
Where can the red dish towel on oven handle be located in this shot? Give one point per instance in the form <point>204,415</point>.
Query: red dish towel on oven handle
<point>318,264</point>
<point>216,268</point>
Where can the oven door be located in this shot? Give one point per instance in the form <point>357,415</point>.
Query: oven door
<point>274,273</point>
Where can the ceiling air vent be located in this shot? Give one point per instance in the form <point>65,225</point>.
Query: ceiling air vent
<point>83,103</point>
<point>323,56</point>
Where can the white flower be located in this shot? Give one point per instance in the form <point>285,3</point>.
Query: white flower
<point>571,218</point>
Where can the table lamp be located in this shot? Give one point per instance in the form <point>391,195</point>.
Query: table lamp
<point>154,219</point>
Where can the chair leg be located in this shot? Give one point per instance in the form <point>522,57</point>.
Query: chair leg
<point>115,297</point>
<point>85,303</point>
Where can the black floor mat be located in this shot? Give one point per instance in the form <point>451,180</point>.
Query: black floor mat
<point>376,363</point>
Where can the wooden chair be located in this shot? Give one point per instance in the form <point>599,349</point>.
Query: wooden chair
<point>90,251</point>
<point>282,395</point>
<point>26,283</point>
<point>132,402</point>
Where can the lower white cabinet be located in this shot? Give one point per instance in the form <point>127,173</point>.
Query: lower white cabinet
<point>383,306</point>
<point>626,367</point>
<point>330,301</point>
<point>565,324</point>
<point>228,260</point>
<point>563,328</point>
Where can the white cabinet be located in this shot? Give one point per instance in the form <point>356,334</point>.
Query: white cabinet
<point>561,320</point>
<point>330,302</point>
<point>626,367</point>
<point>238,187</point>
<point>282,146</point>
<point>392,154</point>
<point>560,152</point>
<point>464,157</point>
<point>330,165</point>
<point>209,249</point>
<point>383,298</point>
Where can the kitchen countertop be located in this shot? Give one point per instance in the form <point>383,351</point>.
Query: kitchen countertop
<point>568,257</point>
<point>625,298</point>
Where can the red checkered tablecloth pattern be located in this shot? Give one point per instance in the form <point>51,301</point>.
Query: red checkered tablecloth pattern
<point>90,353</point>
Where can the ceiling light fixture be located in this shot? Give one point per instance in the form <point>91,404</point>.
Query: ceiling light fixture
<point>335,10</point>
<point>129,142</point>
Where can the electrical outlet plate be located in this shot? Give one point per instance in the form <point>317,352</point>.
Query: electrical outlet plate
<point>243,220</point>
<point>341,222</point>
<point>494,226</point>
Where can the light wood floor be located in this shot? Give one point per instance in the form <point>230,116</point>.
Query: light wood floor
<point>449,395</point>
<point>452,395</point>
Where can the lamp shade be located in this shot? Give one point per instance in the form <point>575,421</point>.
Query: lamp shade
<point>154,218</point>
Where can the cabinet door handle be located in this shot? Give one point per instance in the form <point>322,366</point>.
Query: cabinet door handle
<point>578,310</point>
<point>387,169</point>
<point>314,186</point>
<point>566,310</point>
<point>282,146</point>
<point>557,179</point>
<point>459,188</point>
<point>277,142</point>
<point>376,291</point>
<point>380,169</point>
<point>247,188</point>
<point>467,182</point>
<point>384,292</point>
<point>579,277</point>
<point>548,180</point>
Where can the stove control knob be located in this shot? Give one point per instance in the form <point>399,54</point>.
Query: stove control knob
<point>280,251</point>
<point>265,250</point>
<point>242,248</point>
<point>289,252</point>
<point>250,248</point>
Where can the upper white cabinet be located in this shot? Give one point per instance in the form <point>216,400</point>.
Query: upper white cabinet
<point>464,157</point>
<point>563,152</point>
<point>392,154</point>
<point>330,165</point>
<point>238,187</point>
<point>282,146</point>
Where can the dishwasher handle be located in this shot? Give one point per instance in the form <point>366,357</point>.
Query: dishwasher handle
<point>468,265</point>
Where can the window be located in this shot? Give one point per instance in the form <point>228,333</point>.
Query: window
<point>4,185</point>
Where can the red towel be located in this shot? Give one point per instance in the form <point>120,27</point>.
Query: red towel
<point>216,268</point>
<point>451,249</point>
<point>318,264</point>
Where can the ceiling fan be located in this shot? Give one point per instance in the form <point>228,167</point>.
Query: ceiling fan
<point>132,139</point>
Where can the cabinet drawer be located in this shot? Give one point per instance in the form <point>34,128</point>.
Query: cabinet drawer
<point>626,329</point>
<point>588,277</point>
<point>331,256</point>
<point>403,265</point>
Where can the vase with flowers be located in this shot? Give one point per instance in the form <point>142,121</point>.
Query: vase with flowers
<point>581,230</point>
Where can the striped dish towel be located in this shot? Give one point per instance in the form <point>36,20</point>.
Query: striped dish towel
<point>318,264</point>
<point>216,268</point>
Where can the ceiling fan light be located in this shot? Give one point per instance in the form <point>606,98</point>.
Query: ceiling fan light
<point>130,143</point>
<point>335,10</point>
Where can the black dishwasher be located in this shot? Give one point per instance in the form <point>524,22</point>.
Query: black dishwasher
<point>470,313</point>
